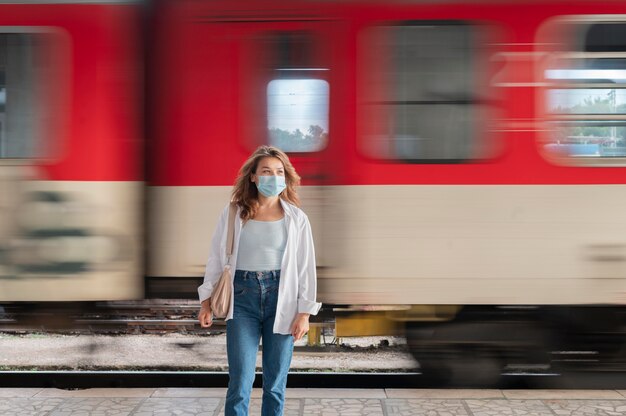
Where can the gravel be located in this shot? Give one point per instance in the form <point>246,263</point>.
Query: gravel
<point>176,351</point>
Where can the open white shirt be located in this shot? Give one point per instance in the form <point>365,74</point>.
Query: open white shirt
<point>298,279</point>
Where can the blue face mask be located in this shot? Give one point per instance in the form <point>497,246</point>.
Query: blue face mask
<point>271,185</point>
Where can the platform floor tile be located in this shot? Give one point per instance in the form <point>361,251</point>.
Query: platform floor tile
<point>424,407</point>
<point>120,406</point>
<point>508,408</point>
<point>28,406</point>
<point>314,402</point>
<point>178,406</point>
<point>341,407</point>
<point>587,407</point>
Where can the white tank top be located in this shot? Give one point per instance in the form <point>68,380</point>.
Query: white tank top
<point>261,245</point>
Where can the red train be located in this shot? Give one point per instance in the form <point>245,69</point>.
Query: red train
<point>463,160</point>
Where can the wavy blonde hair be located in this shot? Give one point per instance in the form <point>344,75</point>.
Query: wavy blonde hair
<point>245,193</point>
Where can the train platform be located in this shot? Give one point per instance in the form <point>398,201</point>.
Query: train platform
<point>309,402</point>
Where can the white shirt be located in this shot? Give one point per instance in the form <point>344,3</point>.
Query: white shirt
<point>297,290</point>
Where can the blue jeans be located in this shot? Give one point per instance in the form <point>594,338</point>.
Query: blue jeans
<point>256,294</point>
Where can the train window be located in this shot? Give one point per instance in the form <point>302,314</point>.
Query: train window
<point>297,114</point>
<point>586,94</point>
<point>21,71</point>
<point>419,92</point>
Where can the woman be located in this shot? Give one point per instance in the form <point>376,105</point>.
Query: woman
<point>274,285</point>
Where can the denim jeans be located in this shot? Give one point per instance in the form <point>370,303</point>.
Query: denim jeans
<point>256,295</point>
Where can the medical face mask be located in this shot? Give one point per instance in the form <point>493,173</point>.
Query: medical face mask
<point>271,185</point>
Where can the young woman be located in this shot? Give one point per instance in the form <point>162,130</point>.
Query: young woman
<point>274,284</point>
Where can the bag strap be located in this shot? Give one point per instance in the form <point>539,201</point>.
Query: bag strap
<point>232,212</point>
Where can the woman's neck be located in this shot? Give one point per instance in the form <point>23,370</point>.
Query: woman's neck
<point>268,202</point>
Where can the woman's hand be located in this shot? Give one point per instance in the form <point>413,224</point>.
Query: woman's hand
<point>206,315</point>
<point>300,326</point>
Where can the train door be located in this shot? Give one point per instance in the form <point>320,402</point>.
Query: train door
<point>287,94</point>
<point>70,176</point>
<point>24,66</point>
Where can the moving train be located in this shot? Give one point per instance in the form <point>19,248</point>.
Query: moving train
<point>463,163</point>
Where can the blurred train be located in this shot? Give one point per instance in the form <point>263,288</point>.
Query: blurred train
<point>463,163</point>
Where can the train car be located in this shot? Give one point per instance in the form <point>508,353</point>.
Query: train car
<point>464,160</point>
<point>71,151</point>
<point>463,163</point>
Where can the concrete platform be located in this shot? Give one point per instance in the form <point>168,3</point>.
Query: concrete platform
<point>309,402</point>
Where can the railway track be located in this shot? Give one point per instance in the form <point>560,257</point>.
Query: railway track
<point>106,318</point>
<point>118,326</point>
<point>120,318</point>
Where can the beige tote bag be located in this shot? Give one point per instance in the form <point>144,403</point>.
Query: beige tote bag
<point>220,297</point>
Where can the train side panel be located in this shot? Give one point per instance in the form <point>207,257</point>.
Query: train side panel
<point>435,190</point>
